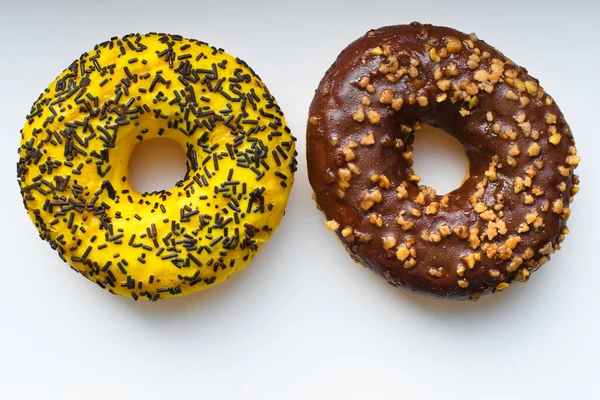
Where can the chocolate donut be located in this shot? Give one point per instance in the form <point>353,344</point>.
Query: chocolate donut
<point>508,216</point>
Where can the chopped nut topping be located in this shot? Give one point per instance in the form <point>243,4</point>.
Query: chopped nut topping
<point>514,150</point>
<point>493,273</point>
<point>370,88</point>
<point>367,140</point>
<point>443,84</point>
<point>481,75</point>
<point>460,270</point>
<point>386,96</point>
<point>363,82</point>
<point>511,95</point>
<point>432,208</point>
<point>558,206</point>
<point>415,212</point>
<point>433,55</point>
<point>348,153</point>
<point>444,230</point>
<point>359,115</point>
<point>346,232</point>
<point>463,283</point>
<point>420,199</point>
<point>451,70</point>
<point>488,215</point>
<point>471,259</point>
<point>397,103</point>
<point>538,223</point>
<point>384,182</point>
<point>514,264</point>
<point>547,249</point>
<point>463,112</point>
<point>564,171</point>
<point>423,101</point>
<point>373,117</point>
<point>474,240</point>
<point>523,274</point>
<point>353,168</point>
<point>364,100</point>
<point>402,192</point>
<point>524,100</point>
<point>573,160</point>
<point>441,97</point>
<point>555,139</point>
<point>413,72</point>
<point>332,225</point>
<point>437,74</point>
<point>376,51</point>
<point>453,44</point>
<point>501,286</point>
<point>550,119</point>
<point>531,217</point>
<point>344,174</point>
<point>435,272</point>
<point>531,87</point>
<point>406,225</point>
<point>376,220</point>
<point>518,184</point>
<point>369,198</point>
<point>314,120</point>
<point>472,89</point>
<point>534,150</point>
<point>472,64</point>
<point>389,242</point>
<point>402,253</point>
<point>444,202</point>
<point>479,207</point>
<point>461,231</point>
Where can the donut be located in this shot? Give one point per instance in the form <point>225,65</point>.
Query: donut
<point>79,136</point>
<point>507,217</point>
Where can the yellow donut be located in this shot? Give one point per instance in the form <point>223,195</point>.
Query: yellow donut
<point>75,150</point>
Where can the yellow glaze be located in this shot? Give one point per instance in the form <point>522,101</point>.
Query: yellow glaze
<point>75,150</point>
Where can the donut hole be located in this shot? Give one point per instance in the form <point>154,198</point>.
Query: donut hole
<point>156,164</point>
<point>439,159</point>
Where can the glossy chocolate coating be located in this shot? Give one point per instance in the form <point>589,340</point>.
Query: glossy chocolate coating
<point>514,205</point>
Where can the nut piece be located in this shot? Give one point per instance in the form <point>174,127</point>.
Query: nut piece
<point>359,115</point>
<point>453,44</point>
<point>481,75</point>
<point>369,198</point>
<point>402,253</point>
<point>367,140</point>
<point>534,149</point>
<point>376,51</point>
<point>397,103</point>
<point>386,96</point>
<point>332,225</point>
<point>373,117</point>
<point>555,139</point>
<point>389,242</point>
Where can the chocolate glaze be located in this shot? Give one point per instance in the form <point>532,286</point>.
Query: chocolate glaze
<point>486,118</point>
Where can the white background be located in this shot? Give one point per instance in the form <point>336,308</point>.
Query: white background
<point>303,321</point>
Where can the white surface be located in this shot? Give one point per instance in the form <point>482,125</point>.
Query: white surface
<point>304,321</point>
